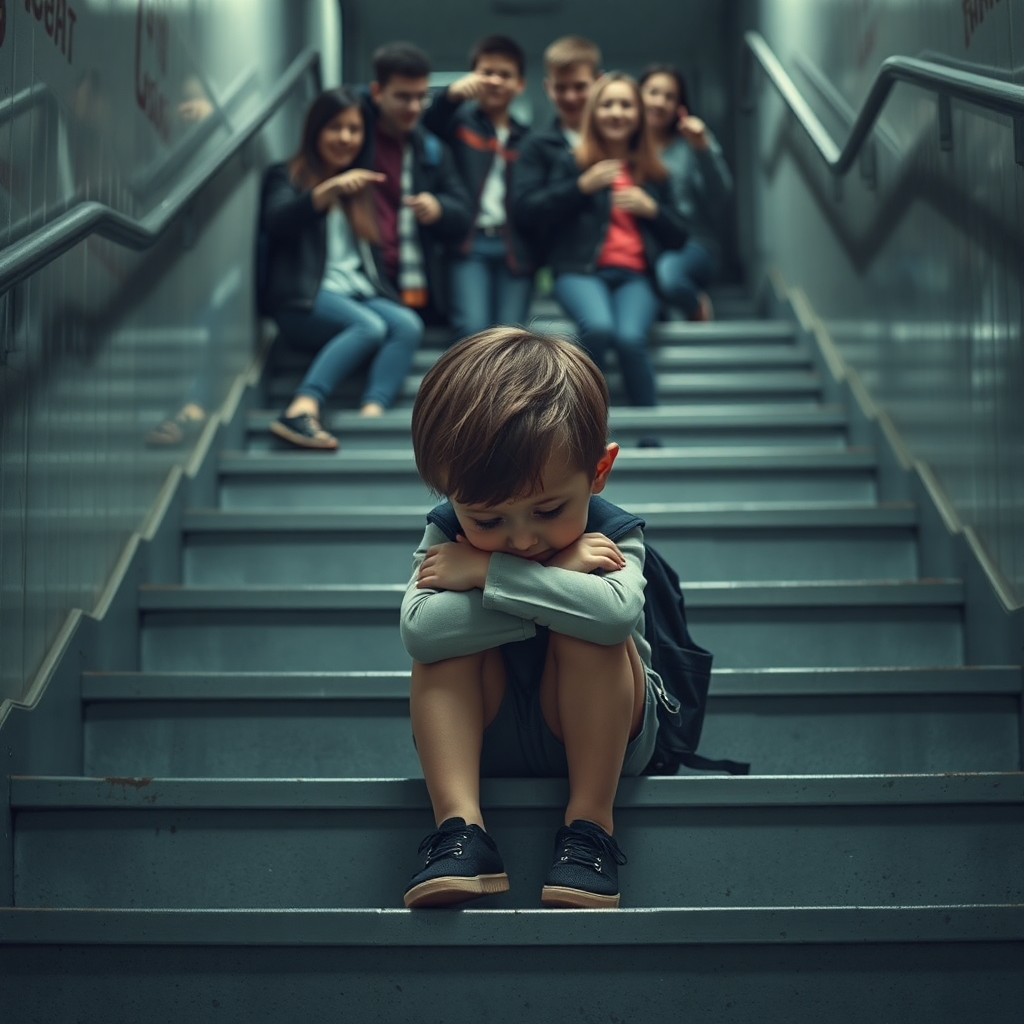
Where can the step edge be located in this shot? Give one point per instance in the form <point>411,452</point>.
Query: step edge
<point>126,793</point>
<point>738,516</point>
<point>155,598</point>
<point>930,923</point>
<point>99,688</point>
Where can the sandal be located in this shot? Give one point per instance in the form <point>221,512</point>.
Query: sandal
<point>174,430</point>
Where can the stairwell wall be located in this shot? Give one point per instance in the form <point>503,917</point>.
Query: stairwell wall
<point>917,280</point>
<point>116,103</point>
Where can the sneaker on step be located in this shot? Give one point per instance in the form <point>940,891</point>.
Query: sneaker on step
<point>305,431</point>
<point>462,863</point>
<point>585,871</point>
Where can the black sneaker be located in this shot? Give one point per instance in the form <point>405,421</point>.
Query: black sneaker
<point>462,863</point>
<point>304,430</point>
<point>585,870</point>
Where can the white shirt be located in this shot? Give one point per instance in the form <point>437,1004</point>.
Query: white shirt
<point>492,198</point>
<point>343,271</point>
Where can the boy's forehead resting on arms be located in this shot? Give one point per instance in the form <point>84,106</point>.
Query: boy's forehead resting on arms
<point>506,414</point>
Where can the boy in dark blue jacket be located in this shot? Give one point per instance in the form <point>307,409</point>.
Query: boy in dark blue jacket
<point>492,272</point>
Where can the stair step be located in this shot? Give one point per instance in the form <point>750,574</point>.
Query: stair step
<point>705,542</point>
<point>357,724</point>
<point>770,473</point>
<point>842,964</point>
<point>735,387</point>
<point>740,331</point>
<point>746,625</point>
<point>753,425</point>
<point>879,840</point>
<point>665,357</point>
<point>934,963</point>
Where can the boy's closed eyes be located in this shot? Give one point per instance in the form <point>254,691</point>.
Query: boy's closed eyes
<point>547,528</point>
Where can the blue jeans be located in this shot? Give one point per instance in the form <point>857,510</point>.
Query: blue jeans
<point>682,274</point>
<point>347,330</point>
<point>615,307</point>
<point>484,292</point>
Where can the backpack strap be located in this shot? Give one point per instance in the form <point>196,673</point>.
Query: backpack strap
<point>444,518</point>
<point>609,519</point>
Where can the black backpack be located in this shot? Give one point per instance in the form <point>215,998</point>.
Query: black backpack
<point>685,671</point>
<point>684,668</point>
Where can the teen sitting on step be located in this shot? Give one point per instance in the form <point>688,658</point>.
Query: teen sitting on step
<point>610,214</point>
<point>701,186</point>
<point>492,271</point>
<point>422,207</point>
<point>571,66</point>
<point>320,280</point>
<point>525,622</point>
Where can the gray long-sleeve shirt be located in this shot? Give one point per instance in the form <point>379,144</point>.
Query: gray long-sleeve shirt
<point>519,595</point>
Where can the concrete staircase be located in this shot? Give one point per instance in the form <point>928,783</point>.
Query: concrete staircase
<point>249,803</point>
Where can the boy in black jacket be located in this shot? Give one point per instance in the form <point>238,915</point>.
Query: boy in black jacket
<point>422,206</point>
<point>571,66</point>
<point>491,275</point>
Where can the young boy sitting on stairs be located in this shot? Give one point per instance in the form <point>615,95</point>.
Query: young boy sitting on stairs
<point>525,622</point>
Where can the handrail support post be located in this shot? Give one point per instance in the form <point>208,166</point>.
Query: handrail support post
<point>945,123</point>
<point>869,165</point>
<point>189,228</point>
<point>1018,139</point>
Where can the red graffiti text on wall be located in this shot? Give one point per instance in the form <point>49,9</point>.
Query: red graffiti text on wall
<point>58,18</point>
<point>151,39</point>
<point>974,15</point>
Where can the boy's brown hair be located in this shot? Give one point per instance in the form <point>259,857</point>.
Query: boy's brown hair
<point>568,51</point>
<point>490,412</point>
<point>644,162</point>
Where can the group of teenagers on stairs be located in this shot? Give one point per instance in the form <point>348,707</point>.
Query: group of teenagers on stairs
<point>524,615</point>
<point>393,213</point>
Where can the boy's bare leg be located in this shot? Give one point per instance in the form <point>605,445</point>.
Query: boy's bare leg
<point>451,702</point>
<point>592,698</point>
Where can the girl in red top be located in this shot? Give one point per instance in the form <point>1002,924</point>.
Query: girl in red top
<point>615,217</point>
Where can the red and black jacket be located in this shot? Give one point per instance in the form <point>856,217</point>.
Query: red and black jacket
<point>474,143</point>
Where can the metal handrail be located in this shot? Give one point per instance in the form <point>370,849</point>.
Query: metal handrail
<point>22,259</point>
<point>947,82</point>
<point>37,94</point>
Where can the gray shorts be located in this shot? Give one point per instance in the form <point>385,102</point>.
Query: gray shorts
<point>519,743</point>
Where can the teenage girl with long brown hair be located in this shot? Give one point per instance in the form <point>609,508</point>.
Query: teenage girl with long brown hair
<point>609,229</point>
<point>320,279</point>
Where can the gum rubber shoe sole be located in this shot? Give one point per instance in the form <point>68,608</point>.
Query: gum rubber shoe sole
<point>451,889</point>
<point>580,899</point>
<point>329,443</point>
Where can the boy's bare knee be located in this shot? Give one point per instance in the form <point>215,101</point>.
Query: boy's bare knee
<point>573,647</point>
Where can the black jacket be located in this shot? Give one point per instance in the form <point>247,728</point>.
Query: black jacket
<point>433,171</point>
<point>570,226</point>
<point>292,247</point>
<point>474,143</point>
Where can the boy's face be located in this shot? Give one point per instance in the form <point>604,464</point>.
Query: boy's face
<point>504,83</point>
<point>400,101</point>
<point>539,525</point>
<point>567,88</point>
